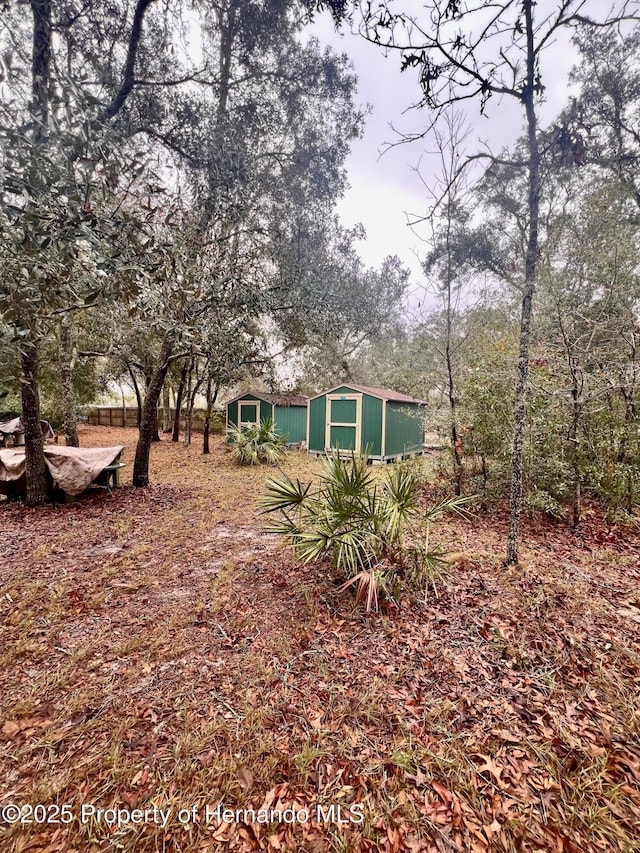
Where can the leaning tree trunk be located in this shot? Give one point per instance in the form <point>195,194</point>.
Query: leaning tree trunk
<point>66,362</point>
<point>531,262</point>
<point>149,419</point>
<point>35,468</point>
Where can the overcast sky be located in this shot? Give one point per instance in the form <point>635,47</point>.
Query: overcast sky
<point>384,189</point>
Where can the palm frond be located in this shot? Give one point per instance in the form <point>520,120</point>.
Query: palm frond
<point>369,584</point>
<point>282,493</point>
<point>454,504</point>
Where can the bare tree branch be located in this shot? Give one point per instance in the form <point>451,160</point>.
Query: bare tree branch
<point>128,78</point>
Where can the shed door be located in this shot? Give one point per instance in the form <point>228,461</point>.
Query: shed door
<point>248,413</point>
<point>344,416</point>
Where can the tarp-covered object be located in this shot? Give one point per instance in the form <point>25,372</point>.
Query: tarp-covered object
<point>72,469</point>
<point>15,425</point>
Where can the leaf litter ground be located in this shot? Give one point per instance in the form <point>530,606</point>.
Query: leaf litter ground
<point>160,652</point>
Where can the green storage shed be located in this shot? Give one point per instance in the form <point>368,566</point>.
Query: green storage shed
<point>287,411</point>
<point>357,417</point>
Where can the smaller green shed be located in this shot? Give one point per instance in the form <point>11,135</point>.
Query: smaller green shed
<point>357,417</point>
<point>287,411</point>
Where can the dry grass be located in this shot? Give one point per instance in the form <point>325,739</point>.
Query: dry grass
<point>160,651</point>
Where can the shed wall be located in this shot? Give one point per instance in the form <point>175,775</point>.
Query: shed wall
<point>292,422</point>
<point>404,431</point>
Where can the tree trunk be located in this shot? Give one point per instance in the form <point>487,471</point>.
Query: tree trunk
<point>623,456</point>
<point>577,496</point>
<point>192,405</point>
<point>41,68</point>
<point>35,468</point>
<point>176,417</point>
<point>212,396</point>
<point>156,430</point>
<point>66,362</point>
<point>628,391</point>
<point>166,408</point>
<point>156,426</point>
<point>456,441</point>
<point>148,421</point>
<point>485,479</point>
<point>136,389</point>
<point>450,165</point>
<point>531,261</point>
<point>187,420</point>
<point>41,91</point>
<point>517,466</point>
<point>574,432</point>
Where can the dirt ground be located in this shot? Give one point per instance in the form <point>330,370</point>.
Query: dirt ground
<point>166,666</point>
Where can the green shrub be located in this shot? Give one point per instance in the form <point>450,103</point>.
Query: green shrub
<point>256,443</point>
<point>541,501</point>
<point>371,528</point>
<point>618,486</point>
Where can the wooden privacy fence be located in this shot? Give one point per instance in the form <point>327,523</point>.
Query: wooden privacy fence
<point>118,416</point>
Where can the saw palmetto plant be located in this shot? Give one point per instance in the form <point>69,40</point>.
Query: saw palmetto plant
<point>256,443</point>
<point>358,520</point>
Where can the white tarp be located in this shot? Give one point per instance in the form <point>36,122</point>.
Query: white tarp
<point>9,427</point>
<point>72,468</point>
<point>15,425</point>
